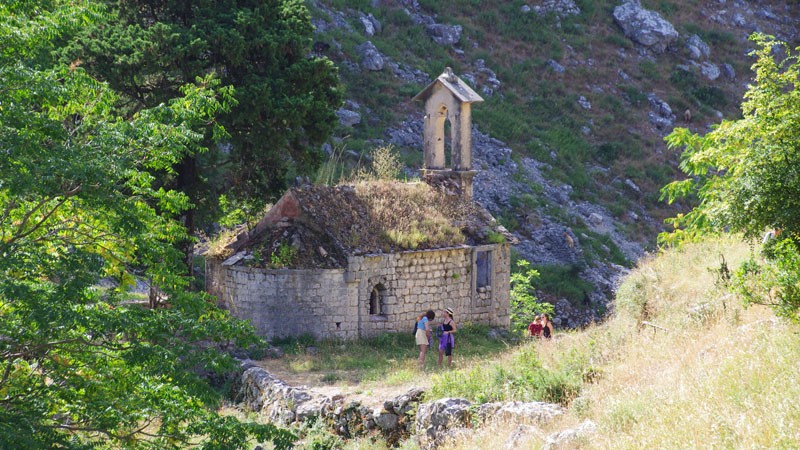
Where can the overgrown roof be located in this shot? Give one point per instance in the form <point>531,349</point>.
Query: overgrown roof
<point>319,226</point>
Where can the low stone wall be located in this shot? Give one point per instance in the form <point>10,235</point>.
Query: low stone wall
<point>398,418</point>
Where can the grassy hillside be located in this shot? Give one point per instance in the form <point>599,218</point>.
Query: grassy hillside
<point>711,373</point>
<point>721,376</point>
<point>536,110</point>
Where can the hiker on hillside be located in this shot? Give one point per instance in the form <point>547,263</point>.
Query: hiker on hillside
<point>535,328</point>
<point>447,341</point>
<point>547,326</point>
<point>423,335</point>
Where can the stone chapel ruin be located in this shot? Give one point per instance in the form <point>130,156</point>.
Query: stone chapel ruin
<point>356,264</point>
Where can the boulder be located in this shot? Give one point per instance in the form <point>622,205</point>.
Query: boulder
<point>348,118</point>
<point>436,418</point>
<point>661,115</point>
<point>709,70</point>
<point>386,421</point>
<point>560,8</point>
<point>530,413</point>
<point>565,437</point>
<point>444,34</point>
<point>697,48</point>
<point>646,28</point>
<point>371,58</point>
<point>370,24</point>
<point>728,71</point>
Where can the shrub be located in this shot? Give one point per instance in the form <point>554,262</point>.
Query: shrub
<point>683,79</point>
<point>386,164</point>
<point>282,257</point>
<point>563,281</point>
<point>495,238</point>
<point>710,96</point>
<point>524,304</point>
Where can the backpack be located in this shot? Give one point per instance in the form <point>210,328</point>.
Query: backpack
<point>440,331</point>
<point>414,331</point>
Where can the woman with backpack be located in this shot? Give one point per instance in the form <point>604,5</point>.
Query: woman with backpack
<point>423,335</point>
<point>447,341</point>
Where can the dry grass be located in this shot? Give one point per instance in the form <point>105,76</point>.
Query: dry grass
<point>722,377</point>
<point>387,216</point>
<point>218,247</point>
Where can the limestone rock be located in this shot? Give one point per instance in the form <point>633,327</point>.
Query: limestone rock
<point>697,48</point>
<point>645,27</point>
<point>386,421</point>
<point>436,418</point>
<point>562,438</point>
<point>630,184</point>
<point>728,71</point>
<point>407,73</point>
<point>370,23</point>
<point>371,58</point>
<point>444,34</point>
<point>531,413</point>
<point>560,8</point>
<point>555,66</point>
<point>709,70</point>
<point>519,436</point>
<point>348,118</point>
<point>661,115</point>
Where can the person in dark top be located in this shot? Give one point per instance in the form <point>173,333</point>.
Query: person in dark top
<point>547,327</point>
<point>447,341</point>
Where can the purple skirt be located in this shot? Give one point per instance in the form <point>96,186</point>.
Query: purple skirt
<point>445,340</point>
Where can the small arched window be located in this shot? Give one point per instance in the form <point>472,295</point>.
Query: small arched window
<point>377,300</point>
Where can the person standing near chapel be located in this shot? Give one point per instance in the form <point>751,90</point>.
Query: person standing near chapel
<point>447,341</point>
<point>423,335</point>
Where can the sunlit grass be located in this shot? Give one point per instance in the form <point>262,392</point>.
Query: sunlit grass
<point>720,376</point>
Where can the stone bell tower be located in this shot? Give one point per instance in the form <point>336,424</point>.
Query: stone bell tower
<point>447,101</point>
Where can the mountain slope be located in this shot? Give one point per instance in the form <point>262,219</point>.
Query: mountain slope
<point>569,140</point>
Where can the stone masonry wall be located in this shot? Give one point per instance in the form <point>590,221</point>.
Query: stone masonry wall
<point>289,302</point>
<point>431,279</point>
<point>337,303</point>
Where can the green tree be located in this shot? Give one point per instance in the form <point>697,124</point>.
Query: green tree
<point>80,365</point>
<point>525,306</point>
<point>285,99</point>
<point>745,174</point>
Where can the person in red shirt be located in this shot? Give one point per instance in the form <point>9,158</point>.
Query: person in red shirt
<point>535,328</point>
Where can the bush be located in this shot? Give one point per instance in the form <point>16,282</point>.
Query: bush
<point>524,304</point>
<point>683,79</point>
<point>564,281</point>
<point>711,96</point>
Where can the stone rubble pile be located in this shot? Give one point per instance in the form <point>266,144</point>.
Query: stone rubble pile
<point>397,419</point>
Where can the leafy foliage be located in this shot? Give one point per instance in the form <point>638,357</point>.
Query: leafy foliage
<point>280,113</point>
<point>80,367</point>
<point>744,172</point>
<point>524,304</point>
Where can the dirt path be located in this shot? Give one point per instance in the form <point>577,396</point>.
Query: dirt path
<point>342,382</point>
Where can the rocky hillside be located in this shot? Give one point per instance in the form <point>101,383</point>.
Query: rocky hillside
<point>578,96</point>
